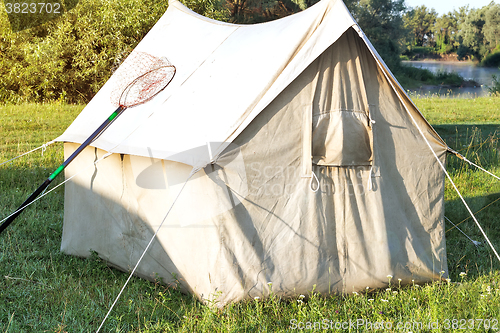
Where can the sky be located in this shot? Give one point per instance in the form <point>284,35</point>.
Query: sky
<point>445,6</point>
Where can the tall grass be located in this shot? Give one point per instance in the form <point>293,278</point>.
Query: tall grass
<point>43,290</point>
<point>477,145</point>
<point>471,127</point>
<point>495,87</point>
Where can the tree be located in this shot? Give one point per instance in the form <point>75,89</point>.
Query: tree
<point>420,21</point>
<point>382,22</point>
<point>256,11</point>
<point>71,57</point>
<point>471,35</point>
<point>445,33</point>
<point>491,28</point>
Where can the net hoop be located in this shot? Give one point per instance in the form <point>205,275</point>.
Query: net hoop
<point>139,78</point>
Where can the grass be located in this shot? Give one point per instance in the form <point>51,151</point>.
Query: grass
<point>43,290</point>
<point>463,111</point>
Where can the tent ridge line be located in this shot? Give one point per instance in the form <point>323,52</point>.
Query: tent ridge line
<point>264,93</point>
<point>194,14</point>
<point>391,79</point>
<point>448,149</point>
<point>155,109</point>
<point>306,39</point>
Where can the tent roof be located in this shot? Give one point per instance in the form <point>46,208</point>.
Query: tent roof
<point>226,74</point>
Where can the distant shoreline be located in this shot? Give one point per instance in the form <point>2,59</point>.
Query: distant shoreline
<point>452,57</point>
<point>465,84</point>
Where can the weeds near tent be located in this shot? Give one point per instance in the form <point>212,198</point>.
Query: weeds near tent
<point>495,87</point>
<point>480,143</point>
<point>397,308</point>
<point>44,290</point>
<point>481,148</point>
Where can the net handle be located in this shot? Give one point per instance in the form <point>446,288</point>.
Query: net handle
<point>93,136</point>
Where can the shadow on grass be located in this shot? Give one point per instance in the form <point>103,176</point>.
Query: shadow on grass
<point>42,289</point>
<point>46,288</point>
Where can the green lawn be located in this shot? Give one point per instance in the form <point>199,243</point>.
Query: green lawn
<point>43,290</point>
<point>464,111</point>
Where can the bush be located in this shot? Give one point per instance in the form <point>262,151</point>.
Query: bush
<point>495,88</point>
<point>491,60</point>
<point>70,57</point>
<point>464,53</point>
<point>418,74</point>
<point>411,76</point>
<point>446,49</point>
<point>420,52</point>
<point>452,79</point>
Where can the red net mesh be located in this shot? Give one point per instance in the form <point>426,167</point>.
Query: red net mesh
<point>139,78</point>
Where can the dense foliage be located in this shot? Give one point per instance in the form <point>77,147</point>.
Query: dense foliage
<point>70,57</point>
<point>470,33</point>
<point>381,21</point>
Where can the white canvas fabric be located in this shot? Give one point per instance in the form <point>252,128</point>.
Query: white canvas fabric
<point>225,77</point>
<point>315,173</point>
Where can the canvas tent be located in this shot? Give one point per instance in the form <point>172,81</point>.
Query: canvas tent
<point>299,161</point>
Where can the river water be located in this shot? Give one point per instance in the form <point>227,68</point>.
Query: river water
<point>468,70</point>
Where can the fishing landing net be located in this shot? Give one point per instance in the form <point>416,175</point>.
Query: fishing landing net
<point>139,78</point>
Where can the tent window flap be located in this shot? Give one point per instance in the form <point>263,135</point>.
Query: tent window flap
<point>341,138</point>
